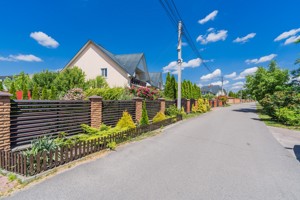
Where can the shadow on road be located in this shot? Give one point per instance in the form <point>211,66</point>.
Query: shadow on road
<point>297,152</point>
<point>246,110</point>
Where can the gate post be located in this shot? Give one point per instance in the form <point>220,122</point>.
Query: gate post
<point>96,111</point>
<point>162,102</point>
<point>138,108</point>
<point>5,121</point>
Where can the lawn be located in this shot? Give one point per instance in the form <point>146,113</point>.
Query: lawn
<point>271,122</point>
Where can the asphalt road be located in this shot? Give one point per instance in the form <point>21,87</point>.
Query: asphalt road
<point>224,154</point>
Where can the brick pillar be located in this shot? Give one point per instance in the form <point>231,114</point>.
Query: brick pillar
<point>5,121</point>
<point>96,111</point>
<point>162,102</point>
<point>215,103</point>
<point>220,103</point>
<point>138,108</point>
<point>210,103</point>
<point>188,106</point>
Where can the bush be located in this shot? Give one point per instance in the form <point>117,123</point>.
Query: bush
<point>202,107</point>
<point>145,93</point>
<point>144,119</point>
<point>172,110</point>
<point>116,93</point>
<point>288,116</point>
<point>126,121</point>
<point>223,99</point>
<point>74,94</point>
<point>160,116</point>
<point>40,145</point>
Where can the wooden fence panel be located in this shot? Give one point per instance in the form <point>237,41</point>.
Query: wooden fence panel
<point>153,107</point>
<point>112,111</point>
<point>31,119</point>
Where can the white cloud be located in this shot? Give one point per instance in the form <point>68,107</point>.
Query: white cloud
<point>210,60</point>
<point>212,75</point>
<point>237,87</point>
<point>244,39</point>
<point>44,40</point>
<point>210,29</point>
<point>246,72</point>
<point>184,44</point>
<point>238,83</point>
<point>210,16</point>
<point>287,34</point>
<point>261,59</point>
<point>220,83</point>
<point>6,59</point>
<point>232,75</point>
<point>172,66</point>
<point>292,39</point>
<point>21,57</point>
<point>213,36</point>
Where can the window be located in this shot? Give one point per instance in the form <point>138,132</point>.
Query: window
<point>104,72</point>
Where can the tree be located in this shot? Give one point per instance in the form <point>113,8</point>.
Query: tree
<point>44,94</point>
<point>173,90</point>
<point>13,90</point>
<point>35,92</point>
<point>266,81</point>
<point>70,78</point>
<point>168,87</point>
<point>44,79</point>
<point>98,82</point>
<point>1,86</point>
<point>144,119</point>
<point>24,92</point>
<point>53,93</point>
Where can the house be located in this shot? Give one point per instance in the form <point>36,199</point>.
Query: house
<point>213,89</point>
<point>118,70</point>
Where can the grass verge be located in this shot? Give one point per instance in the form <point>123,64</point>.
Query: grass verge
<point>271,122</point>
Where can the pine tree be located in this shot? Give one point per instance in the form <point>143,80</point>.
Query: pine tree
<point>44,94</point>
<point>173,90</point>
<point>24,91</point>
<point>35,92</point>
<point>53,93</point>
<point>144,119</point>
<point>168,86</point>
<point>13,90</point>
<point>1,86</point>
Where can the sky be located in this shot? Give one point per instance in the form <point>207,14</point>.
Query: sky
<point>234,37</point>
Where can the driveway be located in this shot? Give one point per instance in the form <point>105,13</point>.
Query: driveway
<point>224,154</point>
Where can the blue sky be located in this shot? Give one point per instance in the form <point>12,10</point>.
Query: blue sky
<point>39,35</point>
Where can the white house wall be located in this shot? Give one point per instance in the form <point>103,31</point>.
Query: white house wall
<point>91,60</point>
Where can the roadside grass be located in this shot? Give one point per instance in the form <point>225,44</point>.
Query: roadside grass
<point>191,115</point>
<point>271,122</point>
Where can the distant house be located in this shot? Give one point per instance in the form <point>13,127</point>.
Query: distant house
<point>213,89</point>
<point>118,70</point>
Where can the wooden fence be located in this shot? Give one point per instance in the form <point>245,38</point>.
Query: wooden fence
<point>112,111</point>
<point>30,119</point>
<point>28,166</point>
<point>152,107</point>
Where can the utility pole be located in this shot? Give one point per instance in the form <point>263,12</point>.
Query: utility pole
<point>179,62</point>
<point>222,79</point>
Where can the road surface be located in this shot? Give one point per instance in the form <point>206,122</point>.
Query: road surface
<point>224,154</point>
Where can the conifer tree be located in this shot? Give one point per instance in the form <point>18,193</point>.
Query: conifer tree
<point>44,94</point>
<point>168,86</point>
<point>13,90</point>
<point>173,93</point>
<point>144,119</point>
<point>53,93</point>
<point>35,92</point>
<point>1,86</point>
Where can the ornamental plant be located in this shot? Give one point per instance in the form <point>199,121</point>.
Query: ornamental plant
<point>144,119</point>
<point>126,121</point>
<point>145,92</point>
<point>74,94</point>
<point>160,116</point>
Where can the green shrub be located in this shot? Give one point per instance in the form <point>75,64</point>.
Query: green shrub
<point>40,145</point>
<point>144,119</point>
<point>288,116</point>
<point>172,110</point>
<point>1,86</point>
<point>112,145</point>
<point>116,93</point>
<point>74,94</point>
<point>89,130</point>
<point>160,116</point>
<point>126,121</point>
<point>13,90</point>
<point>12,177</point>
<point>35,92</point>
